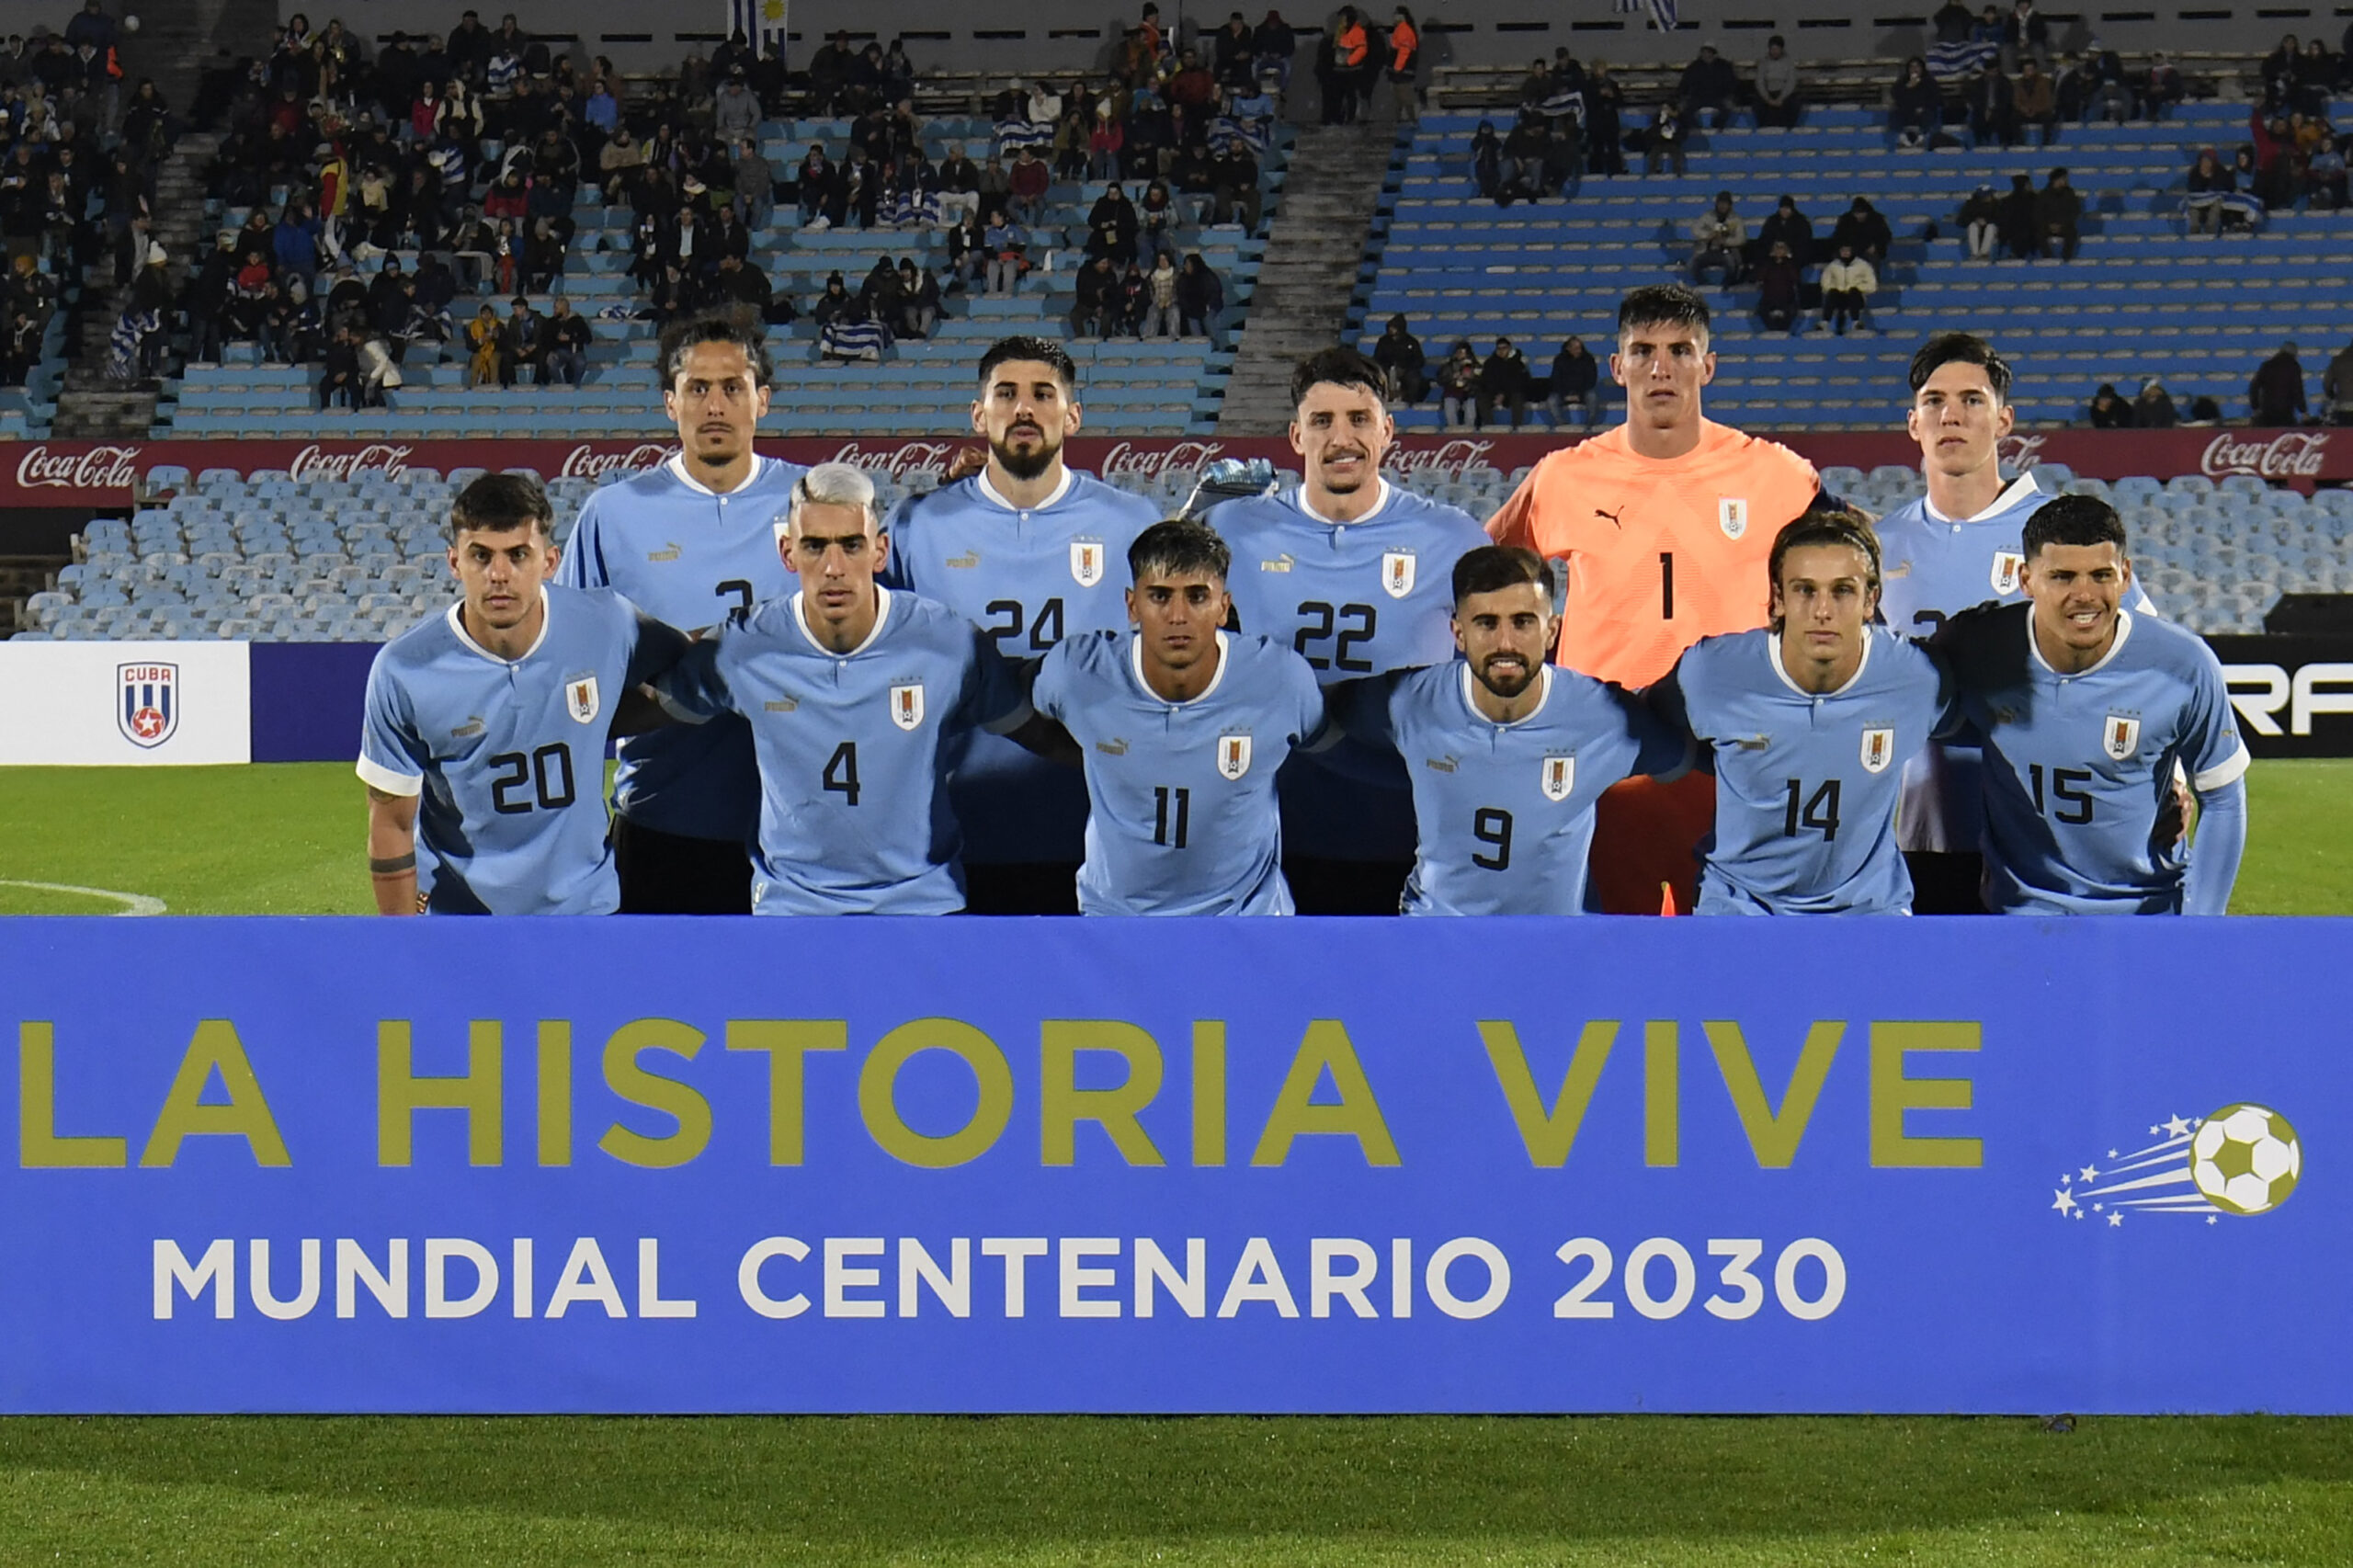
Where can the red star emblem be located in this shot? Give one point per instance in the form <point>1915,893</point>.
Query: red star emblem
<point>148,722</point>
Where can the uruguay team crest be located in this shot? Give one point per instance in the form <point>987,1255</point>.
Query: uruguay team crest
<point>906,704</point>
<point>148,710</point>
<point>1397,572</point>
<point>1087,562</point>
<point>1879,747</point>
<point>1560,777</point>
<point>1232,755</point>
<point>2006,564</point>
<point>1732,514</point>
<point>2120,736</point>
<point>580,699</point>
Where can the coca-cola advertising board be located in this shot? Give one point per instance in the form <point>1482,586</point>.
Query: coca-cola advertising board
<point>111,474</point>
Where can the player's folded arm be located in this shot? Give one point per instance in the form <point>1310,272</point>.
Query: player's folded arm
<point>691,691</point>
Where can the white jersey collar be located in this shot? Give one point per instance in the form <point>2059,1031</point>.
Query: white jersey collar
<point>1471,701</point>
<point>2019,490</point>
<point>1334,522</point>
<point>547,617</point>
<point>989,492</point>
<point>1773,657</point>
<point>677,464</point>
<point>882,619</point>
<point>2123,630</point>
<point>1135,665</point>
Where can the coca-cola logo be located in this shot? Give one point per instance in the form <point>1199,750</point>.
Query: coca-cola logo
<point>100,468</point>
<point>2293,454</point>
<point>584,461</point>
<point>897,461</point>
<point>1452,458</point>
<point>1127,460</point>
<point>315,462</point>
<point>2020,453</point>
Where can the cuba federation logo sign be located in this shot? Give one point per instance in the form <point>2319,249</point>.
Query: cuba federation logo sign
<point>1087,562</point>
<point>147,710</point>
<point>2243,1159</point>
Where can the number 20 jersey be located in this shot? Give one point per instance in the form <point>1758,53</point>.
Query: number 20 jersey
<point>505,757</point>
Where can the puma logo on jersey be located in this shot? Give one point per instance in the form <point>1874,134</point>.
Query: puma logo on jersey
<point>970,558</point>
<point>671,554</point>
<point>467,731</point>
<point>1443,764</point>
<point>1280,563</point>
<point>781,705</point>
<point>1112,748</point>
<point>1752,743</point>
<point>1613,516</point>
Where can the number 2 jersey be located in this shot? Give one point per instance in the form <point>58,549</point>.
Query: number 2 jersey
<point>2079,768</point>
<point>855,749</point>
<point>506,758</point>
<point>1806,782</point>
<point>1504,812</point>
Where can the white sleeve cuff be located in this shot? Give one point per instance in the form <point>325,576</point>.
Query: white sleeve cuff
<point>2224,773</point>
<point>378,776</point>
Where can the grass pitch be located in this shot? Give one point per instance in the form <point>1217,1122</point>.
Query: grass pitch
<point>288,839</point>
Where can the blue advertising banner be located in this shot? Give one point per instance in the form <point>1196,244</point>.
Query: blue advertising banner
<point>1279,1166</point>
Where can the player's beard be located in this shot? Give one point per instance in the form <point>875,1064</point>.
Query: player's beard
<point>1488,679</point>
<point>1027,465</point>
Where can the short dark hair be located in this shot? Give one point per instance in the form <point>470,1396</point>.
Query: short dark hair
<point>1825,523</point>
<point>500,503</point>
<point>1340,365</point>
<point>1042,350</point>
<point>741,329</point>
<point>1179,547</point>
<point>2073,520</point>
<point>1665,303</point>
<point>1961,348</point>
<point>1492,568</point>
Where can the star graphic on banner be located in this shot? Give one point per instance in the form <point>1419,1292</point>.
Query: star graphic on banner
<point>2089,1173</point>
<point>2117,1217</point>
<point>2154,1131</point>
<point>2111,1153</point>
<point>2076,1215</point>
<point>2176,1128</point>
<point>2065,1201</point>
<point>2211,1218</point>
<point>2098,1207</point>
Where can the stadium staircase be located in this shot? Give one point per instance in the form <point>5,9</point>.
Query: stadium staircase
<point>93,406</point>
<point>1314,258</point>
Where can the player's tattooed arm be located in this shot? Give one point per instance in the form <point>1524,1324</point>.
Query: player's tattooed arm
<point>392,851</point>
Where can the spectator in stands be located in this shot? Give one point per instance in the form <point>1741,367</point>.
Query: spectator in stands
<point>2160,87</point>
<point>1095,309</point>
<point>1708,85</point>
<point>1027,183</point>
<point>755,186</point>
<point>1160,299</point>
<point>563,339</point>
<point>2058,209</point>
<point>1272,44</point>
<point>1200,302</point>
<point>1980,224</point>
<point>1719,236</point>
<point>1781,286</point>
<point>1487,161</point>
<point>2026,36</point>
<point>1778,103</point>
<point>1157,218</point>
<point>621,161</point>
<point>1528,160</point>
<point>1576,381</point>
<point>2210,182</point>
<point>1503,383</point>
<point>2154,409</point>
<point>918,298</point>
<point>2204,412</point>
<point>1112,225</point>
<point>1663,141</point>
<point>1134,299</point>
<point>1458,387</point>
<point>1916,105</point>
<point>2324,174</point>
<point>484,335</point>
<point>2110,93</point>
<point>2337,387</point>
<point>1234,189</point>
<point>1787,226</point>
<point>1342,66</point>
<point>1604,129</point>
<point>1847,284</point>
<point>1951,23</point>
<point>2108,411</point>
<point>967,253</point>
<point>2275,391</point>
<point>1861,227</point>
<point>2020,235</point>
<point>1399,354</point>
<point>1404,65</point>
<point>1008,244</point>
<point>1993,109</point>
<point>960,185</point>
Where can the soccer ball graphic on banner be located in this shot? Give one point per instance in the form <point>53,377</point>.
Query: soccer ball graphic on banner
<point>2246,1159</point>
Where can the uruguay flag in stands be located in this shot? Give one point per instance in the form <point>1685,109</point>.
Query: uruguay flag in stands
<point>1663,15</point>
<point>762,21</point>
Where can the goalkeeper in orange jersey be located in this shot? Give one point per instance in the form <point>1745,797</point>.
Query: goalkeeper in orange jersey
<point>1666,525</point>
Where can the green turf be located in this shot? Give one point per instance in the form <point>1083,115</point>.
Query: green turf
<point>1227,1491</point>
<point>288,838</point>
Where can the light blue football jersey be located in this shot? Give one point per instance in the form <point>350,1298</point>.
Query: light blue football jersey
<point>506,759</point>
<point>1506,810</point>
<point>1806,782</point>
<point>1353,599</point>
<point>1027,576</point>
<point>855,749</point>
<point>1933,566</point>
<point>1185,819</point>
<point>2079,768</point>
<point>688,557</point>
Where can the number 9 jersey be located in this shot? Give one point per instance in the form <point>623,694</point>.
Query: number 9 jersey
<point>506,760</point>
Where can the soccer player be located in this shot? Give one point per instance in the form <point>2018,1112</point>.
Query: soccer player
<point>1029,551</point>
<point>1809,720</point>
<point>1353,574</point>
<point>689,542</point>
<point>1168,718</point>
<point>1508,753</point>
<point>856,698</point>
<point>485,737</point>
<point>1666,523</point>
<point>2086,711</point>
<point>1958,546</point>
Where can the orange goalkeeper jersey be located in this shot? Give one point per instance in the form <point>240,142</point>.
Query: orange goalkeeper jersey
<point>1660,552</point>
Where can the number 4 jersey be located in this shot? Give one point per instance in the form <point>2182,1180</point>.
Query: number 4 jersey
<point>506,759</point>
<point>1806,782</point>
